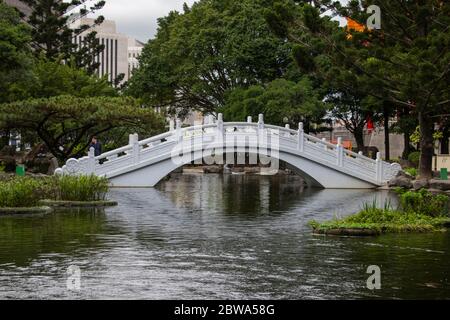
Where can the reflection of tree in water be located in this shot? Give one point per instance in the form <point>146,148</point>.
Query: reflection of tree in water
<point>24,238</point>
<point>261,194</point>
<point>237,194</point>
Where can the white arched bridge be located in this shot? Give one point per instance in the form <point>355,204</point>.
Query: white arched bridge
<point>144,163</point>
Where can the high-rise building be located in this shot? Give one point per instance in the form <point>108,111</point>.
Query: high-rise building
<point>121,52</point>
<point>22,7</point>
<point>135,48</point>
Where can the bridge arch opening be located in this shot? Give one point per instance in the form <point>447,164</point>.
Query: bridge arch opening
<point>314,174</point>
<point>248,168</point>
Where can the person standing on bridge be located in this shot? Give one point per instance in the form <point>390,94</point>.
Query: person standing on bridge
<point>96,145</point>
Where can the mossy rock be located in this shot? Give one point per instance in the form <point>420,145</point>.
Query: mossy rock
<point>78,204</point>
<point>31,210</point>
<point>347,232</point>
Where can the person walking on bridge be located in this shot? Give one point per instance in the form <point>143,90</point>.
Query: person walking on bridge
<point>96,145</point>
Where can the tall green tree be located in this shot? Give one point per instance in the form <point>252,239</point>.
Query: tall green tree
<point>202,54</point>
<point>406,63</point>
<point>15,60</point>
<point>281,101</point>
<point>52,34</point>
<point>54,78</point>
<point>15,54</point>
<point>66,124</point>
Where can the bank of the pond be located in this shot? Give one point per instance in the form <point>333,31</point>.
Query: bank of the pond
<point>28,210</point>
<point>39,194</point>
<point>419,211</point>
<point>78,204</point>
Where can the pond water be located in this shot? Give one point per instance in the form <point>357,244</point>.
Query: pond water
<point>216,237</point>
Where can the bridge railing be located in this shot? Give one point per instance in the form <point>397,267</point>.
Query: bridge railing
<point>311,147</point>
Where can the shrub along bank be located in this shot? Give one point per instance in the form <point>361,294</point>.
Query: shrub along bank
<point>419,211</point>
<point>20,192</point>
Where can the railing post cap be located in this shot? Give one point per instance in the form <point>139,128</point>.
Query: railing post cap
<point>220,117</point>
<point>379,156</point>
<point>249,119</point>
<point>260,118</point>
<point>287,126</point>
<point>300,126</point>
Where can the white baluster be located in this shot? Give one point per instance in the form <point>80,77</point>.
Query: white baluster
<point>91,161</point>
<point>324,140</point>
<point>379,168</point>
<point>178,131</point>
<point>135,148</point>
<point>301,137</point>
<point>361,155</point>
<point>261,122</point>
<point>288,127</point>
<point>339,153</point>
<point>220,128</point>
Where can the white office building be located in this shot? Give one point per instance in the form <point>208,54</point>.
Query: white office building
<point>121,52</point>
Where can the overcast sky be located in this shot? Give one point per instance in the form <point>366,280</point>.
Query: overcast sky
<point>138,18</point>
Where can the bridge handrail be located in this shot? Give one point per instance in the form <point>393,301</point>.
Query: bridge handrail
<point>156,138</point>
<point>240,124</point>
<point>320,141</point>
<point>199,127</point>
<point>113,152</point>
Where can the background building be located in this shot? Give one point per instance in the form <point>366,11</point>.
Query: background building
<point>22,7</point>
<point>135,48</point>
<point>121,51</point>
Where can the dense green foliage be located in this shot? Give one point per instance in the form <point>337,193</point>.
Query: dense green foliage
<point>66,124</point>
<point>23,192</point>
<point>53,36</point>
<point>281,101</point>
<point>404,66</point>
<point>414,158</point>
<point>56,79</point>
<point>411,171</point>
<point>424,202</point>
<point>15,54</point>
<point>82,188</point>
<point>385,221</point>
<point>199,56</point>
<point>45,96</point>
<point>419,211</point>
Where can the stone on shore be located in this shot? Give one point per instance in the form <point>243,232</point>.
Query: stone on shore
<point>420,184</point>
<point>443,185</point>
<point>402,180</point>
